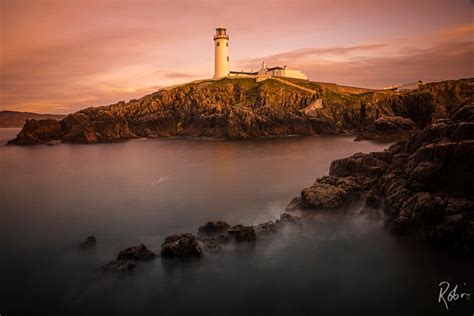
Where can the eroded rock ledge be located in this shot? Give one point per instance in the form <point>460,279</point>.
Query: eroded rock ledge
<point>423,184</point>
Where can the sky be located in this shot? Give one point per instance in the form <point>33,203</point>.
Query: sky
<point>60,56</point>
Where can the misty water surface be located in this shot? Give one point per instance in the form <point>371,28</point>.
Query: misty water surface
<point>52,197</point>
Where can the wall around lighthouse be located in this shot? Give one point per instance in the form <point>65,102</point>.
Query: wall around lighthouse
<point>290,73</point>
<point>221,57</point>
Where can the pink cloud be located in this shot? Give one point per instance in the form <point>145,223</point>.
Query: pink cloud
<point>60,56</point>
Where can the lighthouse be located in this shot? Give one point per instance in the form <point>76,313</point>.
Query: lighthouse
<point>221,53</point>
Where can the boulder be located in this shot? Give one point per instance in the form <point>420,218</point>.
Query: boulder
<point>138,252</point>
<point>288,220</point>
<point>388,125</point>
<point>242,233</point>
<point>212,228</point>
<point>127,258</point>
<point>181,246</point>
<point>364,168</point>
<point>265,229</point>
<point>330,193</point>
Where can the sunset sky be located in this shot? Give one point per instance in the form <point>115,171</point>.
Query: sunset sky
<point>61,56</point>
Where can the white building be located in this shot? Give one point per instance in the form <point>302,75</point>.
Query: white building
<point>221,62</point>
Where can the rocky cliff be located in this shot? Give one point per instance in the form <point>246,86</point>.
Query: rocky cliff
<point>423,184</point>
<point>241,107</point>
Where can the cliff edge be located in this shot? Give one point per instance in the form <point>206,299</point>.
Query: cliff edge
<point>239,108</point>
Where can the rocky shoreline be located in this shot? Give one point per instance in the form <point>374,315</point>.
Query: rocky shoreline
<point>243,108</point>
<point>422,187</point>
<point>424,184</point>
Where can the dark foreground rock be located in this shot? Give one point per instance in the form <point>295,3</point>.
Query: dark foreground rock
<point>330,193</point>
<point>128,257</point>
<point>288,220</point>
<point>265,229</point>
<point>181,246</point>
<point>215,236</point>
<point>241,108</point>
<point>424,184</point>
<point>212,228</point>
<point>222,232</point>
<point>88,243</point>
<point>388,128</point>
<point>138,252</point>
<point>242,233</point>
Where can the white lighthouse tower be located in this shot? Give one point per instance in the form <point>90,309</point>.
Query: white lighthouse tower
<point>221,56</point>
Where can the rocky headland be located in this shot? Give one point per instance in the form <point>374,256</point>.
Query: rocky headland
<point>423,185</point>
<point>239,108</point>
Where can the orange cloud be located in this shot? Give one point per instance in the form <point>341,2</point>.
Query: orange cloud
<point>61,56</point>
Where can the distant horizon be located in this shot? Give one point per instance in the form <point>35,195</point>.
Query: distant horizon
<point>59,57</point>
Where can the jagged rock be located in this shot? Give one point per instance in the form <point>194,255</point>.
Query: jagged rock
<point>242,233</point>
<point>424,184</point>
<point>295,205</point>
<point>288,220</point>
<point>264,229</point>
<point>212,228</point>
<point>330,193</point>
<point>128,257</point>
<point>138,252</point>
<point>90,126</point>
<point>36,132</point>
<point>393,125</point>
<point>88,243</point>
<point>364,169</point>
<point>181,246</point>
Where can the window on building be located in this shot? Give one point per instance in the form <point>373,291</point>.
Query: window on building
<point>227,58</point>
<point>217,44</point>
<point>227,44</point>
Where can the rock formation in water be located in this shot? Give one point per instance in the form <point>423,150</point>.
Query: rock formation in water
<point>241,108</point>
<point>128,257</point>
<point>424,184</point>
<point>180,246</point>
<point>212,237</point>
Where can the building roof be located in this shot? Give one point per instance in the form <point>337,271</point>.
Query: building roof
<point>275,68</point>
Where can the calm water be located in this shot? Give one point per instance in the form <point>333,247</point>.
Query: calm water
<point>51,198</point>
